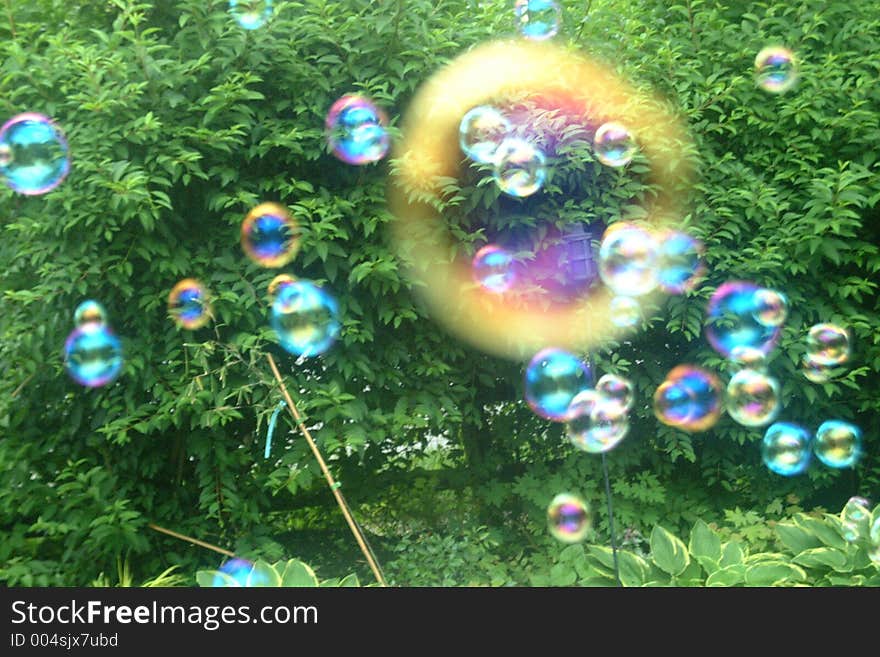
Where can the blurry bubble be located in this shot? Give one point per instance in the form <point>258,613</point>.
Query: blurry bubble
<point>680,262</point>
<point>493,268</point>
<point>305,318</point>
<point>613,145</point>
<point>520,168</point>
<point>93,355</point>
<point>34,156</point>
<point>552,380</point>
<point>481,131</point>
<point>771,307</point>
<point>786,448</point>
<point>568,518</point>
<point>89,311</point>
<point>731,320</point>
<point>776,69</point>
<point>854,517</point>
<point>628,260</point>
<point>537,19</point>
<point>617,391</point>
<point>594,423</point>
<point>356,130</point>
<point>237,569</point>
<point>819,373</point>
<point>251,14</point>
<point>752,398</point>
<point>827,344</point>
<point>624,311</point>
<point>748,357</point>
<point>579,416</point>
<point>276,283</point>
<point>189,305</point>
<point>689,399</point>
<point>838,444</point>
<point>269,235</point>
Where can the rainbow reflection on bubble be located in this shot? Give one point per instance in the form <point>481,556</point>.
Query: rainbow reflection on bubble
<point>276,283</point>
<point>628,260</point>
<point>679,261</point>
<point>537,19</point>
<point>748,358</point>
<point>89,311</point>
<point>613,145</point>
<point>305,318</point>
<point>93,355</point>
<point>251,14</point>
<point>594,423</point>
<point>269,235</point>
<point>617,391</point>
<point>838,444</point>
<point>482,130</point>
<point>189,304</point>
<point>827,344</point>
<point>520,167</point>
<point>776,69</point>
<point>753,398</point>
<point>236,569</point>
<point>689,399</point>
<point>731,320</point>
<point>494,268</point>
<point>357,130</point>
<point>552,380</point>
<point>624,312</point>
<point>34,155</point>
<point>854,517</point>
<point>568,518</point>
<point>771,307</point>
<point>786,448</point>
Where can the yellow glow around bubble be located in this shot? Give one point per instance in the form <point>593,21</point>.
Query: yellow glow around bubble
<point>429,152</point>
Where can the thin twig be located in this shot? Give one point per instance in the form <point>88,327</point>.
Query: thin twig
<point>611,520</point>
<point>189,539</point>
<point>23,384</point>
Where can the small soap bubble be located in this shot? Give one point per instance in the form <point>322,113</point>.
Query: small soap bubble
<point>625,311</point>
<point>34,155</point>
<point>628,260</point>
<point>771,307</point>
<point>276,283</point>
<point>189,304</point>
<point>748,358</point>
<point>786,448</point>
<point>776,69</point>
<point>357,130</point>
<point>731,320</point>
<point>752,398</point>
<point>237,569</point>
<point>838,444</point>
<point>680,262</point>
<point>269,235</point>
<point>305,318</point>
<point>689,399</point>
<point>520,167</point>
<point>481,131</point>
<point>855,517</point>
<point>93,355</point>
<point>568,518</point>
<point>537,19</point>
<point>613,145</point>
<point>493,268</point>
<point>251,14</point>
<point>89,311</point>
<point>617,391</point>
<point>827,344</point>
<point>552,380</point>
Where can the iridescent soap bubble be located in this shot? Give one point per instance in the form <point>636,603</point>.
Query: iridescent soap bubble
<point>537,19</point>
<point>493,268</point>
<point>771,307</point>
<point>731,320</point>
<point>624,311</point>
<point>748,357</point>
<point>481,131</point>
<point>595,424</point>
<point>251,14</point>
<point>189,304</point>
<point>89,311</point>
<point>357,130</point>
<point>305,318</point>
<point>838,444</point>
<point>269,235</point>
<point>628,260</point>
<point>680,262</point>
<point>819,372</point>
<point>752,398</point>
<point>776,69</point>
<point>237,569</point>
<point>276,283</point>
<point>93,355</point>
<point>520,167</point>
<point>617,391</point>
<point>552,380</point>
<point>689,399</point>
<point>34,156</point>
<point>827,344</point>
<point>855,517</point>
<point>579,416</point>
<point>786,448</point>
<point>568,518</point>
<point>613,144</point>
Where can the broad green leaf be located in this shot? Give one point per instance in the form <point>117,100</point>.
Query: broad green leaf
<point>263,575</point>
<point>822,557</point>
<point>212,578</point>
<point>296,573</point>
<point>822,530</point>
<point>731,554</point>
<point>771,573</point>
<point>795,538</point>
<point>350,581</point>
<point>669,552</point>
<point>727,576</point>
<point>633,569</point>
<point>705,546</point>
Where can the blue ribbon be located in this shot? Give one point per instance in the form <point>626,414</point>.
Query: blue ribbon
<point>272,421</point>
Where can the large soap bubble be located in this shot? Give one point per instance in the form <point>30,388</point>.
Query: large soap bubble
<point>269,235</point>
<point>838,444</point>
<point>613,145</point>
<point>628,260</point>
<point>689,399</point>
<point>357,130</point>
<point>482,130</point>
<point>568,518</point>
<point>189,304</point>
<point>552,380</point>
<point>93,355</point>
<point>520,167</point>
<point>34,156</point>
<point>776,69</point>
<point>786,448</point>
<point>732,320</point>
<point>305,318</point>
<point>753,398</point>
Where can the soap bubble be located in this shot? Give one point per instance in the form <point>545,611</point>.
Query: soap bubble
<point>689,399</point>
<point>251,14</point>
<point>786,448</point>
<point>482,130</point>
<point>520,167</point>
<point>771,307</point>
<point>568,518</point>
<point>827,344</point>
<point>537,19</point>
<point>855,517</point>
<point>34,156</point>
<point>189,304</point>
<point>305,318</point>
<point>493,268</point>
<point>613,145</point>
<point>680,262</point>
<point>356,130</point>
<point>819,373</point>
<point>89,311</point>
<point>93,355</point>
<point>748,358</point>
<point>776,69</point>
<point>624,311</point>
<point>269,235</point>
<point>552,380</point>
<point>617,391</point>
<point>276,283</point>
<point>731,320</point>
<point>594,423</point>
<point>237,569</point>
<point>628,260</point>
<point>838,444</point>
<point>752,398</point>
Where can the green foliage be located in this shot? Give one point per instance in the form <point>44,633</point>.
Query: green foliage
<point>290,573</point>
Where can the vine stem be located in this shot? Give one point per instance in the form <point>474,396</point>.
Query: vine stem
<point>190,539</point>
<point>611,520</point>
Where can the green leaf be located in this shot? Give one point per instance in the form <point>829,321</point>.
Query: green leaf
<point>796,539</point>
<point>822,557</point>
<point>263,575</point>
<point>215,578</point>
<point>731,554</point>
<point>822,530</point>
<point>633,569</point>
<point>350,581</point>
<point>705,546</point>
<point>296,573</point>
<point>771,573</point>
<point>727,576</point>
<point>669,552</point>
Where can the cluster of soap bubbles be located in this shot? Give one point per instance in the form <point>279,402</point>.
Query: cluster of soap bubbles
<point>92,352</point>
<point>569,518</point>
<point>855,519</point>
<point>357,130</point>
<point>787,448</point>
<point>598,419</point>
<point>34,155</point>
